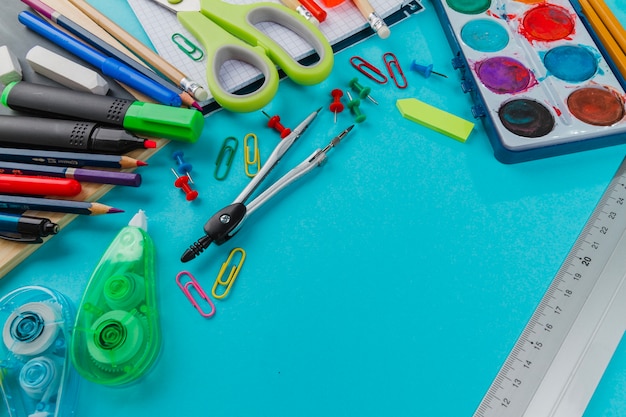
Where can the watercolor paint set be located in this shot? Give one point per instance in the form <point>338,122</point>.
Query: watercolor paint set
<point>540,82</point>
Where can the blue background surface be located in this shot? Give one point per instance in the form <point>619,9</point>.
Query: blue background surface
<point>393,281</point>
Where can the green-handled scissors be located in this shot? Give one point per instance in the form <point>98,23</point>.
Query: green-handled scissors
<point>228,32</point>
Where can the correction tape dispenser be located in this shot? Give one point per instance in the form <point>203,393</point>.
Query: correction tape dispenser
<point>116,333</point>
<point>36,374</point>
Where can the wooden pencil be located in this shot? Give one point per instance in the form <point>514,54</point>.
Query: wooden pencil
<point>148,55</point>
<point>612,47</point>
<point>68,159</point>
<point>376,22</point>
<point>12,202</point>
<point>85,35</point>
<point>610,21</point>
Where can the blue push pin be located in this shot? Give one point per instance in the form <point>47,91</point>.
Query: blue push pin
<point>184,168</point>
<point>425,70</point>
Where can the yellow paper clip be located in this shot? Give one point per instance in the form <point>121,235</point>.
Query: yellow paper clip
<point>393,67</point>
<point>188,47</point>
<point>225,157</point>
<point>228,282</point>
<point>254,159</point>
<point>194,284</point>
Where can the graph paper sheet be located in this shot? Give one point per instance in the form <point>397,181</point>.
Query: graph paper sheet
<point>342,22</point>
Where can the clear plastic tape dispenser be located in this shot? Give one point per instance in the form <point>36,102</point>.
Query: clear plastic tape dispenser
<point>36,375</point>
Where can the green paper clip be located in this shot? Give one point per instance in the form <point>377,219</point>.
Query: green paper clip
<point>188,47</point>
<point>225,158</point>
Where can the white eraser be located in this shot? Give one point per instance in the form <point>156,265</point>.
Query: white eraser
<point>66,72</point>
<point>10,69</point>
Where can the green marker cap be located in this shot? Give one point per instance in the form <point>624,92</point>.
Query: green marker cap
<point>5,93</point>
<point>157,120</point>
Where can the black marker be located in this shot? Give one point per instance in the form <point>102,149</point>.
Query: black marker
<point>149,119</point>
<point>26,229</point>
<point>57,134</point>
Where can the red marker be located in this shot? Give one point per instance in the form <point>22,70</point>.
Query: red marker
<point>32,185</point>
<point>317,12</point>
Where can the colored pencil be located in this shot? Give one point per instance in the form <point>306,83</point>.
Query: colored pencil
<point>611,22</point>
<point>142,51</point>
<point>613,48</point>
<point>104,47</point>
<point>79,174</point>
<point>68,159</point>
<point>11,202</point>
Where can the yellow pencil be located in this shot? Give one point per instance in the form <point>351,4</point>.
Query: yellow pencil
<point>610,21</point>
<point>145,53</point>
<point>613,48</point>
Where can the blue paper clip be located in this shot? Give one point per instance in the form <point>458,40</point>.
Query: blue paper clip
<point>228,282</point>
<point>225,158</point>
<point>253,160</point>
<point>188,47</point>
<point>194,284</point>
<point>368,70</point>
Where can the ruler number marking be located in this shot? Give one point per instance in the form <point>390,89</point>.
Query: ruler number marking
<point>520,375</point>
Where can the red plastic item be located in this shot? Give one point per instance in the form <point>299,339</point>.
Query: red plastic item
<point>183,184</point>
<point>314,8</point>
<point>332,3</point>
<point>336,106</point>
<point>38,185</point>
<point>274,122</point>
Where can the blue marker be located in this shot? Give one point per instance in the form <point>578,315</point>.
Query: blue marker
<point>108,65</point>
<point>27,229</point>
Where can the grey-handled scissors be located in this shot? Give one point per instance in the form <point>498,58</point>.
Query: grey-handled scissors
<point>228,32</point>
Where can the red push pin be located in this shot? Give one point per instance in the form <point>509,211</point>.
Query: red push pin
<point>183,184</point>
<point>274,122</point>
<point>336,106</point>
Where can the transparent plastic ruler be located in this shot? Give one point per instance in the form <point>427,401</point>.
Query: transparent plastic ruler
<point>558,361</point>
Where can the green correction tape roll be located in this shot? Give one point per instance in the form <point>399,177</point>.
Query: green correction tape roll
<point>36,375</point>
<point>116,336</point>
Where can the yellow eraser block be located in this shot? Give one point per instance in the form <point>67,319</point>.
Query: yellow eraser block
<point>434,118</point>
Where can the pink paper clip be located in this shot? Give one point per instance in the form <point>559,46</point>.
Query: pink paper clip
<point>390,62</point>
<point>193,283</point>
<point>368,70</point>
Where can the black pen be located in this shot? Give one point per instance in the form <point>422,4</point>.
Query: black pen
<point>58,134</point>
<point>26,229</point>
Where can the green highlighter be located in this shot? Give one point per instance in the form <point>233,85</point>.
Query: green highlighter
<point>149,119</point>
<point>116,333</point>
